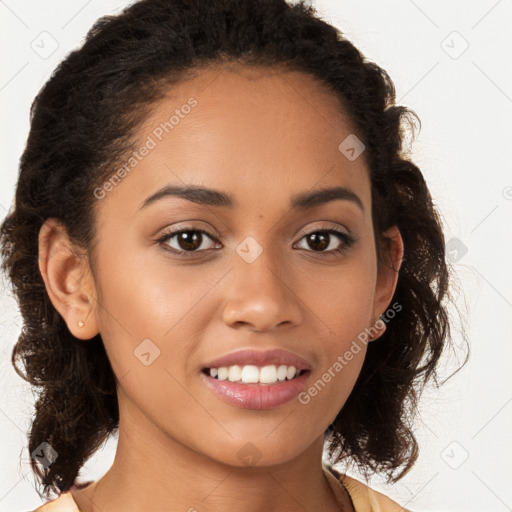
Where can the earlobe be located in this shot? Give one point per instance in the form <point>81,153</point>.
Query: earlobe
<point>68,279</point>
<point>388,271</point>
<point>376,330</point>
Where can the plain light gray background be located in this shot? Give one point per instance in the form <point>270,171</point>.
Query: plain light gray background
<point>450,62</point>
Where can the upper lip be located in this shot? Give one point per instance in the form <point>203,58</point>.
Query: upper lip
<point>260,358</point>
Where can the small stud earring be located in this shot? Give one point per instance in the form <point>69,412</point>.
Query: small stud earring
<point>81,323</point>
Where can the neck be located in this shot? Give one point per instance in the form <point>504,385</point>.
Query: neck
<point>152,471</point>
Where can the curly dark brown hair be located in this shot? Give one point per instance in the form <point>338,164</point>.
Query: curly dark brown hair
<point>84,120</point>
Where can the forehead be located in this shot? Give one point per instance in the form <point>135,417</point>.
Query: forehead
<point>264,134</point>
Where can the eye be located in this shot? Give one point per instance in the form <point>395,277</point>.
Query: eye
<point>322,239</point>
<point>187,240</point>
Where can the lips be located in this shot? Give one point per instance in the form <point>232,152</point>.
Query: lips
<point>265,392</point>
<point>259,358</point>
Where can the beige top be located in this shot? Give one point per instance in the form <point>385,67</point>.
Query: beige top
<point>364,499</point>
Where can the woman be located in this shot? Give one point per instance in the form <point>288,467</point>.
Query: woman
<point>221,252</point>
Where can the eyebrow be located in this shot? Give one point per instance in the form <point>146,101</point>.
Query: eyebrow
<point>211,197</point>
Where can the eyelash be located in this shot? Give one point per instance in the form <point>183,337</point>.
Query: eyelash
<point>348,240</point>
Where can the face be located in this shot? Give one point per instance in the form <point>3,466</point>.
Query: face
<point>256,276</point>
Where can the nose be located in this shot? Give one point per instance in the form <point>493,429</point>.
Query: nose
<point>261,297</point>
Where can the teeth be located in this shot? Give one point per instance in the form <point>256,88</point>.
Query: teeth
<point>282,372</point>
<point>235,373</point>
<point>268,374</point>
<point>291,372</point>
<point>251,374</point>
<point>223,373</point>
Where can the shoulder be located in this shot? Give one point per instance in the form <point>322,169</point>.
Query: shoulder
<point>64,503</point>
<point>364,498</point>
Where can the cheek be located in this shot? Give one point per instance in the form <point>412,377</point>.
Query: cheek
<point>343,305</point>
<point>147,297</point>
<point>152,321</point>
<point>149,327</point>
<point>343,352</point>
<point>341,300</point>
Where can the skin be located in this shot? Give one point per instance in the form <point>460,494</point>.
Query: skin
<point>263,136</point>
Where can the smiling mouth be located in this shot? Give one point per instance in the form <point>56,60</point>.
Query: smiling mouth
<point>252,374</point>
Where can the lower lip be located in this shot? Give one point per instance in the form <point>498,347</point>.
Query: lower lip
<point>257,396</point>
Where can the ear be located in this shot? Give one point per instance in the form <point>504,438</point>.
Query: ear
<point>387,272</point>
<point>68,279</point>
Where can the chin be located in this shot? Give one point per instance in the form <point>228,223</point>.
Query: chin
<point>260,451</point>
